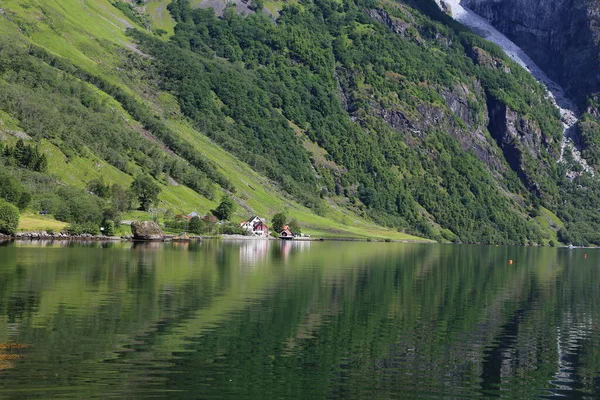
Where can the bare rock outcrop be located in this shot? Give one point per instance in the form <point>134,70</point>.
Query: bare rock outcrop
<point>146,230</point>
<point>561,36</point>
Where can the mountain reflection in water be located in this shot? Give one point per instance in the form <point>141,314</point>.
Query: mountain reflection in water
<point>270,319</point>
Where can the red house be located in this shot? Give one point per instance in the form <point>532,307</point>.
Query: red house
<point>286,234</point>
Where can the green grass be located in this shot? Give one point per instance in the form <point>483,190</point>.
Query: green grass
<point>78,171</point>
<point>33,222</point>
<point>160,16</point>
<point>550,223</point>
<point>85,31</point>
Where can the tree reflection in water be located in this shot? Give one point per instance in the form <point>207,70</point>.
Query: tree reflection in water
<point>257,319</point>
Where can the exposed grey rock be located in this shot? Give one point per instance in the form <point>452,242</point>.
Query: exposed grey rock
<point>146,230</point>
<point>518,137</point>
<point>241,6</point>
<point>471,135</point>
<point>43,235</point>
<point>525,51</point>
<point>397,25</point>
<point>561,36</point>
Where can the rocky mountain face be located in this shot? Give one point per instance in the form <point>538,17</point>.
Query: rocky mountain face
<point>561,36</point>
<point>519,141</point>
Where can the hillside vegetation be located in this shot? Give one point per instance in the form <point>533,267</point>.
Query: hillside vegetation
<point>360,118</point>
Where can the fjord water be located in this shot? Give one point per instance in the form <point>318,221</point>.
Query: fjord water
<point>258,320</point>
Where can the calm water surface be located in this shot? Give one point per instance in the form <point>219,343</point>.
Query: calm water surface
<point>270,320</point>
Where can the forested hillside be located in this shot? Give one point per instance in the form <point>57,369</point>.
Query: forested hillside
<point>346,113</point>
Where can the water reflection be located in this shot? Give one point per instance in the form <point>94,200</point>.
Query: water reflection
<point>253,252</point>
<point>261,319</point>
<point>287,248</point>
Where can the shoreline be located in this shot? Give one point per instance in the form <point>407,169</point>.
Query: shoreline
<point>172,238</point>
<point>45,236</point>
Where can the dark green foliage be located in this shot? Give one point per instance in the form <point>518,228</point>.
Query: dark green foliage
<point>232,229</point>
<point>9,218</point>
<point>240,78</point>
<point>25,156</point>
<point>146,191</point>
<point>195,225</point>
<point>120,198</point>
<point>278,221</point>
<point>246,124</point>
<point>295,226</point>
<point>52,103</point>
<point>48,203</point>
<point>79,207</point>
<point>581,196</point>
<point>109,228</point>
<point>99,188</point>
<point>590,138</point>
<point>580,212</point>
<point>178,225</point>
<point>84,228</point>
<point>131,12</point>
<point>13,191</point>
<point>469,203</point>
<point>225,209</point>
<point>257,5</point>
<point>110,214</point>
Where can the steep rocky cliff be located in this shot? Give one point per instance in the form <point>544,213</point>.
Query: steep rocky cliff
<point>482,114</point>
<point>561,36</point>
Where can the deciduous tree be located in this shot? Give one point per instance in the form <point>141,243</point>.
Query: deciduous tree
<point>225,209</point>
<point>146,190</point>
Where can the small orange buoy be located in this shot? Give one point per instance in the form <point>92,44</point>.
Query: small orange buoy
<point>510,262</point>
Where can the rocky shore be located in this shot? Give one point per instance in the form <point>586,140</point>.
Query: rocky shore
<point>88,237</point>
<point>43,235</point>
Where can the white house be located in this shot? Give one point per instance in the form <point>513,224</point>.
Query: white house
<point>255,226</point>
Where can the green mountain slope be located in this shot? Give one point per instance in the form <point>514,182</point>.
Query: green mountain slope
<point>348,114</point>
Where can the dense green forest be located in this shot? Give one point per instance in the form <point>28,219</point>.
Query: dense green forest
<point>241,79</point>
<point>391,111</point>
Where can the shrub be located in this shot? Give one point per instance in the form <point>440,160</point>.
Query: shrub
<point>231,229</point>
<point>195,225</point>
<point>278,221</point>
<point>295,226</point>
<point>82,229</point>
<point>146,191</point>
<point>109,228</point>
<point>225,209</point>
<point>177,225</point>
<point>13,191</point>
<point>9,218</point>
<point>49,203</point>
<point>78,206</point>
